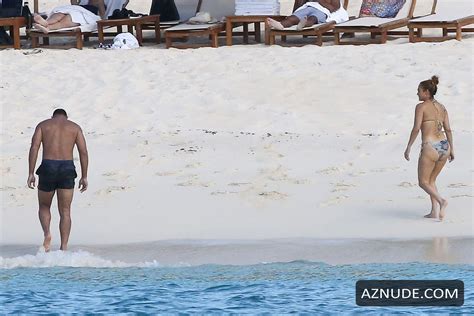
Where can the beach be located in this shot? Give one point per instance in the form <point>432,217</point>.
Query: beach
<point>246,142</point>
<point>243,179</point>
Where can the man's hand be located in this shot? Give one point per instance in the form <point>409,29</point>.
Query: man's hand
<point>31,181</point>
<point>83,184</point>
<point>407,154</point>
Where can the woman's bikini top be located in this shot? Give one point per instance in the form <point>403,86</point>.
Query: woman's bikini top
<point>439,123</point>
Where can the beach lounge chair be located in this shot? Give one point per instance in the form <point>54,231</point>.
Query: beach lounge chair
<point>186,10</point>
<point>375,26</point>
<point>218,10</point>
<point>79,33</point>
<point>318,30</point>
<point>452,16</point>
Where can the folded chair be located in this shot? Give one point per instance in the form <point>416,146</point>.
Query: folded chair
<point>451,16</point>
<point>375,26</point>
<point>218,10</point>
<point>318,30</point>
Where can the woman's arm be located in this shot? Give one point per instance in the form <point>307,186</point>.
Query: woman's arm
<point>415,130</point>
<point>449,135</point>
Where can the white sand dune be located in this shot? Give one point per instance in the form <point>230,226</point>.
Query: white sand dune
<point>240,142</point>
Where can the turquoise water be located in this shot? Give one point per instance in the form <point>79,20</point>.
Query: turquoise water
<point>294,287</point>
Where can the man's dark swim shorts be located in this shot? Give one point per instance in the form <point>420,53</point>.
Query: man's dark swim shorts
<point>56,174</point>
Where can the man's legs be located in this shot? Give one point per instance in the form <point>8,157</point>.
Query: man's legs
<point>64,206</point>
<point>44,213</point>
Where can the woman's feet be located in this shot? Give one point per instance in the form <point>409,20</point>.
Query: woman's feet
<point>442,210</point>
<point>41,28</point>
<point>431,214</point>
<point>39,20</point>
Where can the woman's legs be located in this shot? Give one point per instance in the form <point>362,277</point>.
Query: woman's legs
<point>54,22</point>
<point>64,22</point>
<point>436,170</point>
<point>428,169</point>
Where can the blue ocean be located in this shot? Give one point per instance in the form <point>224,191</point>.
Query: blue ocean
<point>33,285</point>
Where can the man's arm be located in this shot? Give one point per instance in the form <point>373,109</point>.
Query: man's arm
<point>84,159</point>
<point>33,155</point>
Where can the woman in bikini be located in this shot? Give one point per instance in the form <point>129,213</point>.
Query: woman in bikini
<point>431,118</point>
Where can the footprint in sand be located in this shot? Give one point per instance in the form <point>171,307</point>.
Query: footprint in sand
<point>193,165</point>
<point>223,192</point>
<point>457,185</point>
<point>238,184</point>
<point>273,195</point>
<point>384,169</point>
<point>7,188</point>
<point>461,196</point>
<point>333,201</point>
<point>167,173</point>
<point>116,176</point>
<point>407,185</point>
<point>110,190</point>
<point>342,187</point>
<point>330,170</point>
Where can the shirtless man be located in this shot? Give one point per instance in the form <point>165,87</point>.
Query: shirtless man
<point>306,15</point>
<point>57,172</point>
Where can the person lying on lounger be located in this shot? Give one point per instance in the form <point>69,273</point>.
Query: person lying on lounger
<point>308,14</point>
<point>80,12</point>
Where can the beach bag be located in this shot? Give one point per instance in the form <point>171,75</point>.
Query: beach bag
<point>381,8</point>
<point>10,8</point>
<point>125,41</point>
<point>166,9</point>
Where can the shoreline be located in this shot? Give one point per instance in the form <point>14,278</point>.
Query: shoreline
<point>443,250</point>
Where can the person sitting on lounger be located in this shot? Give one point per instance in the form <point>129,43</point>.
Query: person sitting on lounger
<point>80,12</point>
<point>310,13</point>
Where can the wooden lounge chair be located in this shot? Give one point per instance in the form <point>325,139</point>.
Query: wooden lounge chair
<point>186,9</point>
<point>14,24</point>
<point>218,9</point>
<point>75,32</point>
<point>375,26</point>
<point>453,16</point>
<point>318,30</point>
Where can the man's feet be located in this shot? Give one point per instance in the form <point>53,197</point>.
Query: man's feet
<point>275,24</point>
<point>442,210</point>
<point>302,24</point>
<point>39,19</point>
<point>47,243</point>
<point>431,214</point>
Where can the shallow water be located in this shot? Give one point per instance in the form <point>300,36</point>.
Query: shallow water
<point>298,286</point>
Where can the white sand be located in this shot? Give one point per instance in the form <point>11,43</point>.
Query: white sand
<point>240,142</point>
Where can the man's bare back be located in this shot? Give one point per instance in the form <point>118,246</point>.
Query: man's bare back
<point>59,136</point>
